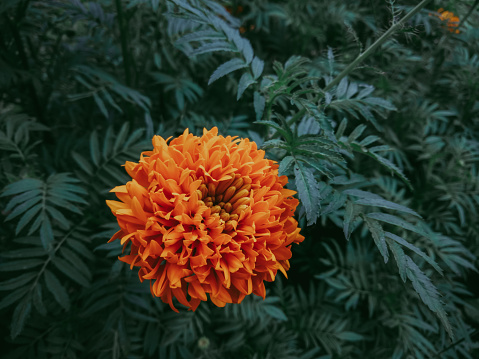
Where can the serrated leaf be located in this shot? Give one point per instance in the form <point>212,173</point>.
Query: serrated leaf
<point>20,315</point>
<point>95,148</point>
<point>259,103</point>
<point>83,163</point>
<point>379,202</point>
<point>247,50</point>
<point>379,238</point>
<point>308,191</point>
<point>121,138</point>
<point>413,248</point>
<point>349,217</point>
<point>20,265</point>
<point>356,133</point>
<point>76,261</point>
<point>349,336</point>
<point>17,282</point>
<point>27,217</point>
<point>213,47</point>
<point>342,87</point>
<point>38,299</point>
<point>361,194</point>
<point>23,185</point>
<point>257,66</point>
<point>100,104</point>
<point>13,297</point>
<point>396,221</point>
<point>46,233</point>
<point>109,300</point>
<point>285,164</point>
<point>202,35</point>
<point>245,81</point>
<point>21,208</point>
<point>275,312</point>
<point>226,68</point>
<point>428,293</point>
<point>381,103</point>
<point>70,272</point>
<point>58,291</point>
<point>389,165</point>
<point>399,256</point>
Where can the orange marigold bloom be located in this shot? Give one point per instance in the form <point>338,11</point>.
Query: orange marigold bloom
<point>205,215</point>
<point>451,21</point>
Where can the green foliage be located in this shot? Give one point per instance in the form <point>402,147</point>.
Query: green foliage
<point>384,160</point>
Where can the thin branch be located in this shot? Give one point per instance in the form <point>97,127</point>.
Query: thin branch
<point>370,50</point>
<point>463,21</point>
<point>124,42</point>
<point>374,46</point>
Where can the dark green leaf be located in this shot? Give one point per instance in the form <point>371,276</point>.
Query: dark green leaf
<point>59,292</point>
<point>20,315</point>
<point>308,191</point>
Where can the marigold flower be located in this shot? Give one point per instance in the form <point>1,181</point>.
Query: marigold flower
<point>452,22</point>
<point>206,215</point>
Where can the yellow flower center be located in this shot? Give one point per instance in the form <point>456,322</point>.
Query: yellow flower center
<point>226,200</point>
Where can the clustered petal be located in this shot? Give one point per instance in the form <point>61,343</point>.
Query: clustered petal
<point>206,215</point>
<point>452,21</point>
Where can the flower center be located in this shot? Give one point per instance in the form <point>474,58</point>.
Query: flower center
<point>227,199</point>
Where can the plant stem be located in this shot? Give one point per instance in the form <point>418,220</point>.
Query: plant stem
<point>366,53</point>
<point>26,66</point>
<point>374,46</point>
<point>463,21</point>
<point>124,43</point>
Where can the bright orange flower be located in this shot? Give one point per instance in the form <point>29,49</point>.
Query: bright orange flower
<point>452,22</point>
<point>205,215</point>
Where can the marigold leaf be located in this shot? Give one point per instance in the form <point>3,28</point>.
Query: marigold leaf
<point>349,217</point>
<point>27,217</point>
<point>70,272</point>
<point>20,265</point>
<point>378,235</point>
<point>76,261</point>
<point>259,103</point>
<point>226,68</point>
<point>399,256</point>
<point>285,164</point>
<point>58,291</point>
<point>46,232</point>
<point>245,81</point>
<point>20,315</point>
<point>23,207</point>
<point>84,165</point>
<point>349,336</point>
<point>416,250</point>
<point>386,204</point>
<point>275,312</point>
<point>308,191</point>
<point>95,148</point>
<point>388,218</point>
<point>38,299</point>
<point>21,186</point>
<point>13,297</point>
<point>428,293</point>
<point>257,66</point>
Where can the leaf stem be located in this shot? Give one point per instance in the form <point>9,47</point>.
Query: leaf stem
<point>124,42</point>
<point>375,45</point>
<point>363,56</point>
<point>463,21</point>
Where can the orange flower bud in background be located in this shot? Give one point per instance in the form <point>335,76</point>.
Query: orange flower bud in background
<point>451,21</point>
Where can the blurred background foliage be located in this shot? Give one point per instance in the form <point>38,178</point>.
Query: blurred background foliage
<point>385,162</point>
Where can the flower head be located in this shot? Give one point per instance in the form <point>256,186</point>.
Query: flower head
<point>452,21</point>
<point>206,215</point>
